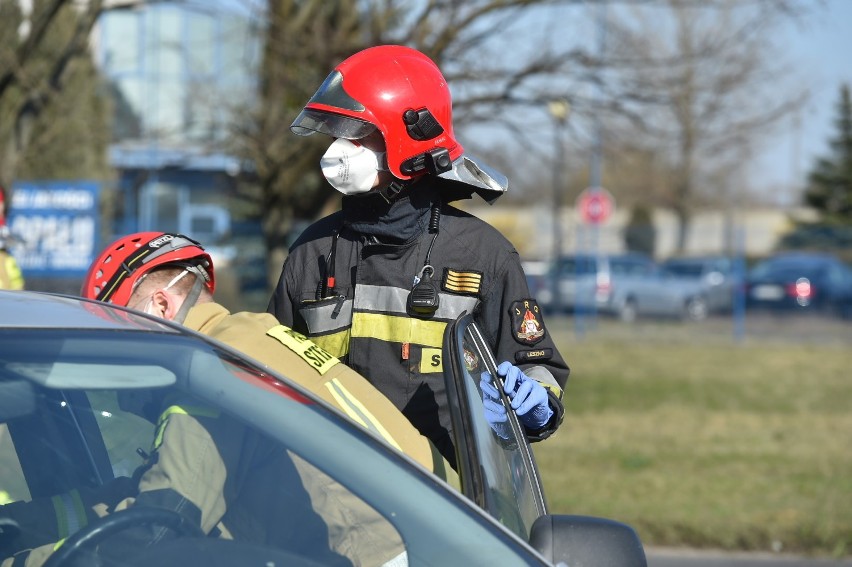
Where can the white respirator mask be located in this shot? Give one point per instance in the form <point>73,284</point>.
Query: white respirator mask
<point>350,167</point>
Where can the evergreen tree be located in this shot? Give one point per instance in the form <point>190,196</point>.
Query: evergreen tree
<point>829,192</point>
<point>640,234</point>
<point>830,182</point>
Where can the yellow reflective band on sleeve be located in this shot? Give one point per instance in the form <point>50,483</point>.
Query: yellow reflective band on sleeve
<point>318,358</point>
<point>431,361</point>
<point>59,544</point>
<point>163,420</point>
<point>397,329</point>
<point>352,407</point>
<point>553,388</point>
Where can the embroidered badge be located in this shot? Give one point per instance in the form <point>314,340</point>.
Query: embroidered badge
<point>528,328</point>
<point>457,281</point>
<point>470,360</point>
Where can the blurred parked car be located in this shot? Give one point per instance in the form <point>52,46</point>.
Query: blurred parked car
<point>78,380</point>
<point>801,281</point>
<point>716,273</point>
<point>591,275</point>
<point>651,293</point>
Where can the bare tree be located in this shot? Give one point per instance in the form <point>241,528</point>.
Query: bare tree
<point>471,41</point>
<point>34,68</point>
<point>704,80</point>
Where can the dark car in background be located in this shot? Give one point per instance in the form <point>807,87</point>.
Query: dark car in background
<point>800,282</point>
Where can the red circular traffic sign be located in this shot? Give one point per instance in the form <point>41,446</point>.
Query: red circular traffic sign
<point>595,205</point>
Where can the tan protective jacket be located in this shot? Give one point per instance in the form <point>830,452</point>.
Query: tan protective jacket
<point>263,338</point>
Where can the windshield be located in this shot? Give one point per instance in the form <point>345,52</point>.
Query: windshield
<point>86,414</point>
<point>504,474</point>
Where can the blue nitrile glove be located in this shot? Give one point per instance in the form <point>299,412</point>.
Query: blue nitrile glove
<point>528,398</point>
<point>495,412</point>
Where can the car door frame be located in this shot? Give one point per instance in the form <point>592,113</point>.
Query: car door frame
<point>473,484</point>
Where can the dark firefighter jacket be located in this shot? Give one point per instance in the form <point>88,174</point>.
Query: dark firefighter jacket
<point>346,283</point>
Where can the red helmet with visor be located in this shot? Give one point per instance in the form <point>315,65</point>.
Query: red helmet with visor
<point>396,90</point>
<point>119,269</point>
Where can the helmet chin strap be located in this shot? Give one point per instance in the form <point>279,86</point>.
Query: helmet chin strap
<point>392,191</point>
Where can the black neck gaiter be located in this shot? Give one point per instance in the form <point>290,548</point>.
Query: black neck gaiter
<point>391,223</point>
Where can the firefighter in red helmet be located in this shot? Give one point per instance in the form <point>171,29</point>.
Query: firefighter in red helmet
<point>173,277</point>
<point>376,283</point>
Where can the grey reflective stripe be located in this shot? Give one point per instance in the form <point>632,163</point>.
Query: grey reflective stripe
<point>319,317</point>
<point>388,299</point>
<point>358,412</point>
<point>69,507</point>
<point>381,298</point>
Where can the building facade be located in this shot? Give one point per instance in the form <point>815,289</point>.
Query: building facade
<point>180,73</point>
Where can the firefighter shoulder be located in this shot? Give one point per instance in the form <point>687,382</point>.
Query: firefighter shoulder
<point>262,337</point>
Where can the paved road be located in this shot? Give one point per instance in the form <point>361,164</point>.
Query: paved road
<point>689,558</point>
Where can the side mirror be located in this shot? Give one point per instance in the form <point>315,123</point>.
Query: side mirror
<point>17,399</point>
<point>587,541</point>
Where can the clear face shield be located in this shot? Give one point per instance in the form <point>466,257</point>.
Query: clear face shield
<point>331,94</point>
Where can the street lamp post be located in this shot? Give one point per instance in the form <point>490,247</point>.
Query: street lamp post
<point>559,110</point>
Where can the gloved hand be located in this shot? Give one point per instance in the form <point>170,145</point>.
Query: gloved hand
<point>528,398</point>
<point>495,412</point>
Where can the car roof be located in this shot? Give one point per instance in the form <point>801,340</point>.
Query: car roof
<point>41,310</point>
<point>805,256</point>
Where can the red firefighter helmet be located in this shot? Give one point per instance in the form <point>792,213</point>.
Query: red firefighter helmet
<point>398,91</point>
<point>119,268</point>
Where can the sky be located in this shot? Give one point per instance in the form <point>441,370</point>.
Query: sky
<point>820,49</point>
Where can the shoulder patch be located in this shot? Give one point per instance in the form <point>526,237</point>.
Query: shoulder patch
<point>461,281</point>
<point>527,324</point>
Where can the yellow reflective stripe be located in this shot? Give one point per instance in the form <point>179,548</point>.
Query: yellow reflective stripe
<point>430,361</point>
<point>394,329</point>
<point>199,411</point>
<point>336,344</point>
<point>358,412</point>
<point>16,279</point>
<point>59,544</point>
<point>317,358</point>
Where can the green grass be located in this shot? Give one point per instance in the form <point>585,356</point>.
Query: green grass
<point>703,442</point>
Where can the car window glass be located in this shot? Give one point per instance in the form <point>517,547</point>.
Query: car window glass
<point>509,494</point>
<point>687,270</point>
<point>86,438</point>
<point>126,435</point>
<point>13,486</point>
<point>572,266</point>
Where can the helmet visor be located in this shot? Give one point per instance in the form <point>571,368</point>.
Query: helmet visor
<point>334,125</point>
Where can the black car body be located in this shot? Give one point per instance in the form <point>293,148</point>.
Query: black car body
<point>800,282</point>
<point>69,366</point>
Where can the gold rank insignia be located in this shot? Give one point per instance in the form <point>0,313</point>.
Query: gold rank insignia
<point>457,281</point>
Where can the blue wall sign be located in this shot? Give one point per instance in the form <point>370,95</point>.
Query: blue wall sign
<point>57,226</point>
